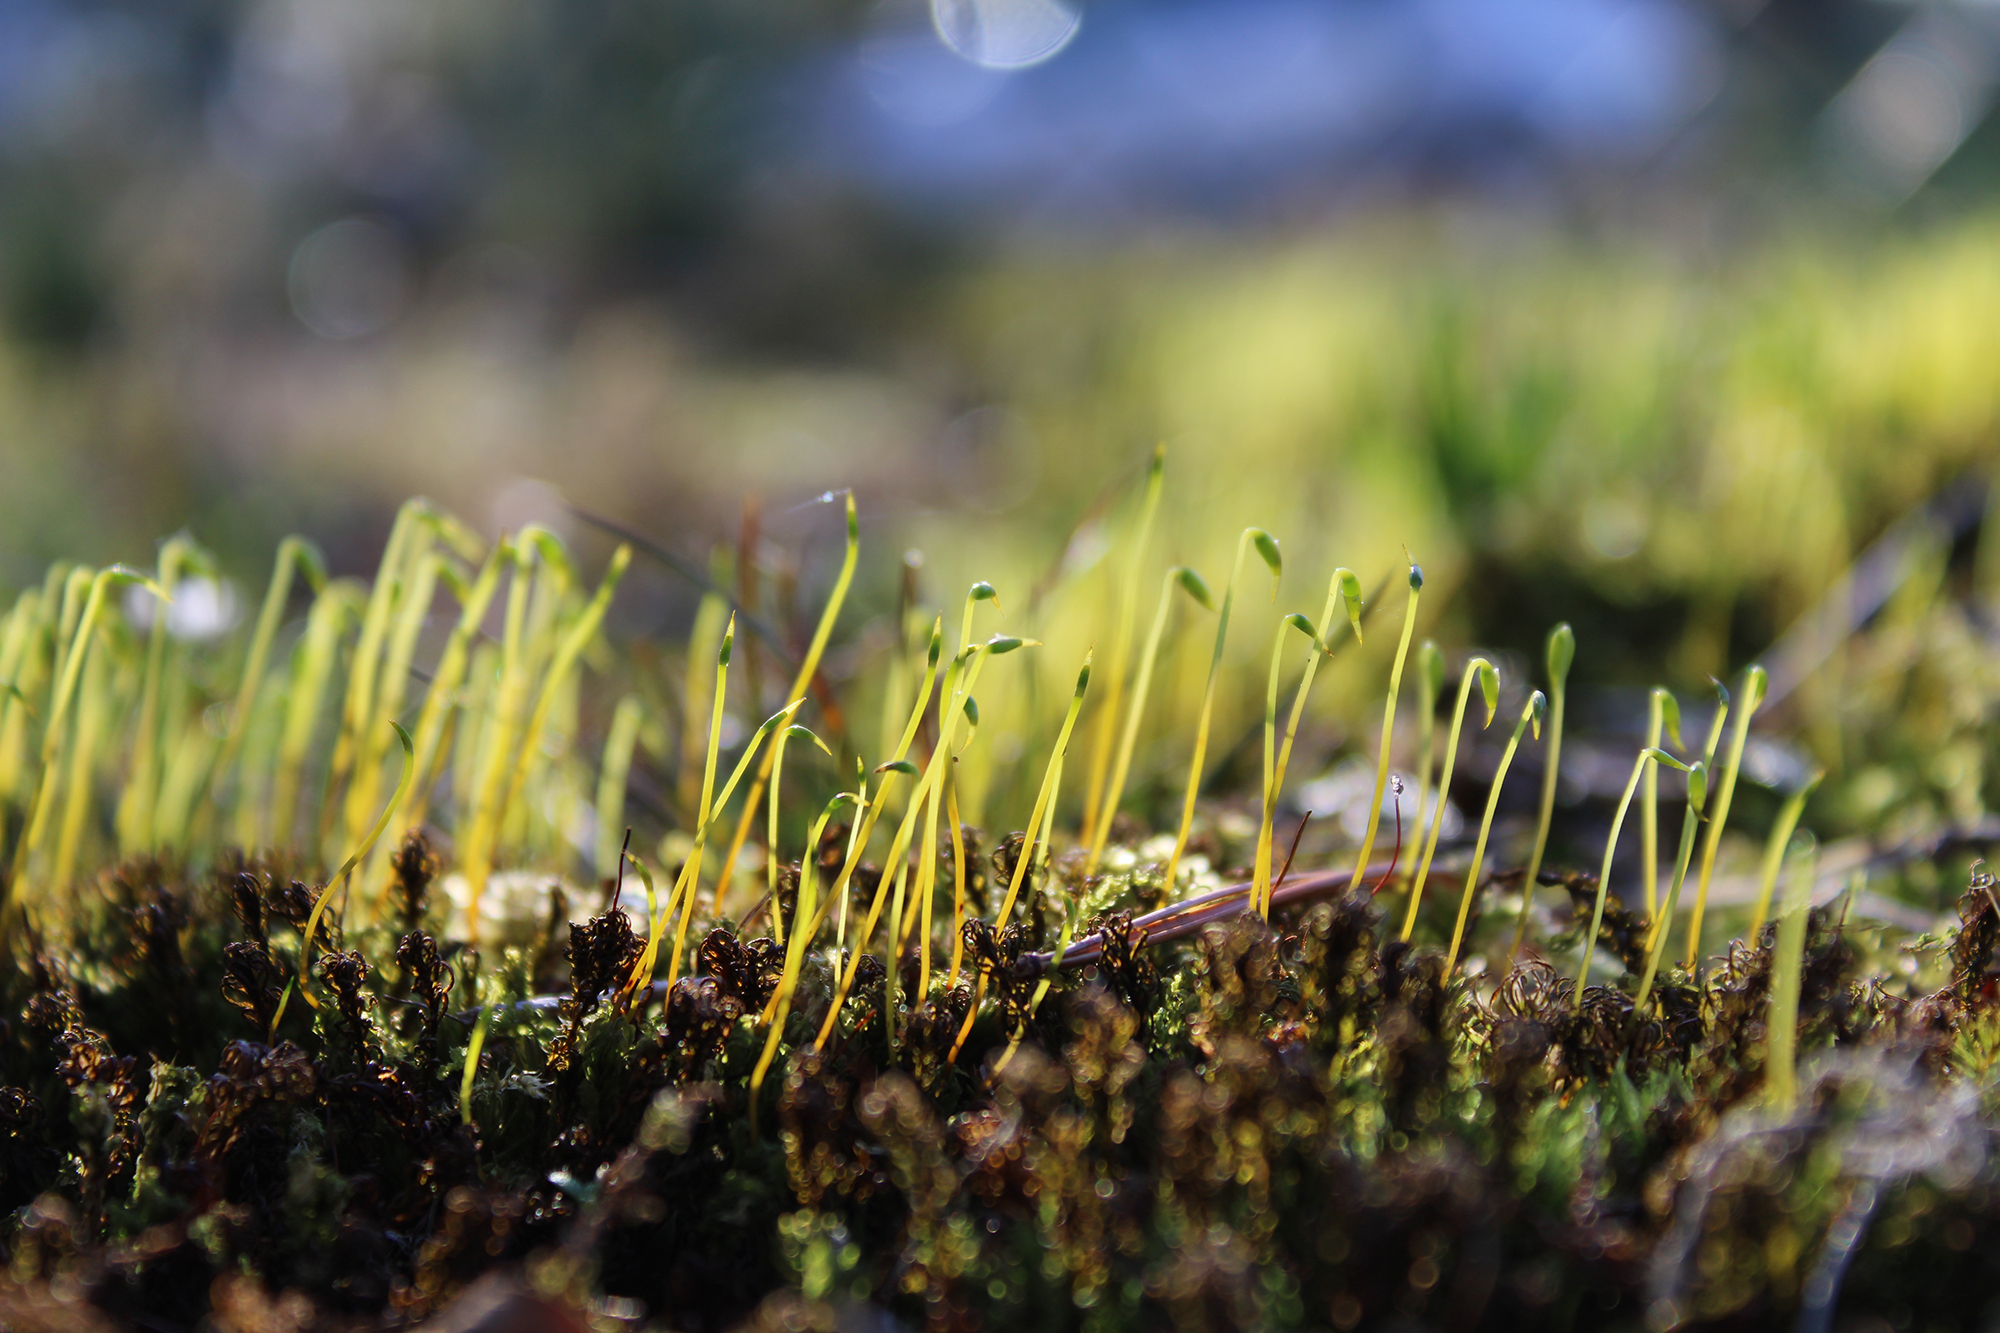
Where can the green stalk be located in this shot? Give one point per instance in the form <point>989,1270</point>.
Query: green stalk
<point>1531,715</point>
<point>1488,678</point>
<point>1754,683</point>
<point>1121,767</point>
<point>1121,650</point>
<point>1656,942</point>
<point>1267,548</point>
<point>1781,1021</point>
<point>1389,724</point>
<point>1663,714</point>
<point>1560,652</point>
<point>1774,850</point>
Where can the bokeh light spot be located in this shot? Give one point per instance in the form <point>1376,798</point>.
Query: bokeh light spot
<point>1005,34</point>
<point>350,278</point>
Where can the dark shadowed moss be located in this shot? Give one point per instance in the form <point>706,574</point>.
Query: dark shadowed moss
<point>1286,1126</point>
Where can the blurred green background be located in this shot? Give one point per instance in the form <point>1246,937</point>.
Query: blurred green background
<point>1646,314</point>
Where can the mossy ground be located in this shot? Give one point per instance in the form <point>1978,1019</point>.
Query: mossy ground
<point>1300,1125</point>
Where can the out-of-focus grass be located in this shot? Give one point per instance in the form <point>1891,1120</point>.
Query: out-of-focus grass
<point>1677,453</point>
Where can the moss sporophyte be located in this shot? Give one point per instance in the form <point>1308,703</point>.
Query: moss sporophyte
<point>333,993</point>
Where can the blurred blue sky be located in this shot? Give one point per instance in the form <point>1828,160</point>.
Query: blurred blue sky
<point>1209,103</point>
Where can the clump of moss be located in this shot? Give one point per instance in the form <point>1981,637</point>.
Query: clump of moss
<point>1120,1092</point>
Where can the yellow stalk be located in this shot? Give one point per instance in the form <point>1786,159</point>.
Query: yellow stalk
<point>483,815</point>
<point>186,770</point>
<point>871,811</point>
<point>1663,718</point>
<point>691,869</point>
<point>1774,851</point>
<point>1068,932</point>
<point>1646,763</point>
<point>1656,939</point>
<point>855,841</point>
<point>689,879</point>
<point>974,660</point>
<point>890,982</point>
<point>1344,586</point>
<point>958,878</point>
<point>413,605</point>
<point>1531,714</point>
<point>312,663</point>
<point>1040,818</point>
<point>295,555</point>
<point>1389,724</point>
<point>795,952</point>
<point>581,632</point>
<point>354,859</point>
<point>358,709</point>
<point>1557,656</point>
<point>17,651</point>
<point>1755,681</point>
<point>1267,547</point>
<point>1482,672</point>
<point>926,886</point>
<point>134,819</point>
<point>808,667</point>
<point>56,729</point>
<point>1430,682</point>
<point>612,772</point>
<point>92,705</point>
<point>697,684</point>
<point>919,907</point>
<point>1121,648</point>
<point>1261,875</point>
<point>1135,710</point>
<point>472,1050</point>
<point>771,858</point>
<point>1781,1021</point>
<point>440,701</point>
